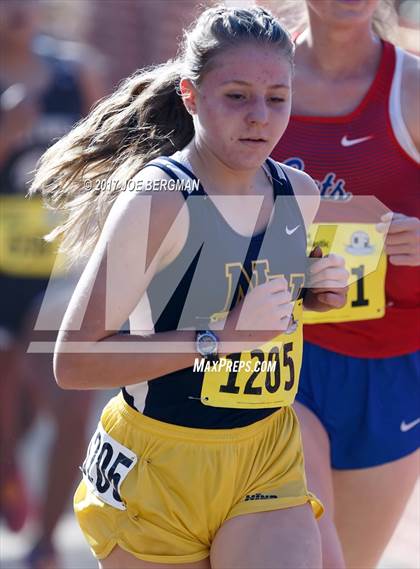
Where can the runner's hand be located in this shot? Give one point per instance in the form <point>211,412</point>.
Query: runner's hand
<point>402,242</point>
<point>328,282</point>
<point>263,314</point>
<point>267,306</point>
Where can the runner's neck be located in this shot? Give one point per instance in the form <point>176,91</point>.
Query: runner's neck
<point>338,53</point>
<point>218,178</point>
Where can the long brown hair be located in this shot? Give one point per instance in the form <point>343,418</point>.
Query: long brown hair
<point>143,119</point>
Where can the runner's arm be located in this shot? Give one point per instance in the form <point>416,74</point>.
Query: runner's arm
<point>140,236</point>
<point>328,275</point>
<point>410,104</point>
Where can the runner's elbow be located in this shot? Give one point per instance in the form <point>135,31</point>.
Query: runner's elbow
<point>68,373</point>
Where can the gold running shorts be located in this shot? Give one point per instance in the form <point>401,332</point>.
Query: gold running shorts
<point>162,491</point>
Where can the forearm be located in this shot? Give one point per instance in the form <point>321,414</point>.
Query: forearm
<point>125,359</point>
<point>122,359</point>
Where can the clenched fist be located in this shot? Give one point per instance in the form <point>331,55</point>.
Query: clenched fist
<point>327,282</point>
<point>402,242</point>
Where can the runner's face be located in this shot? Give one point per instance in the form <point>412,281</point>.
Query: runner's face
<point>242,105</point>
<point>343,12</point>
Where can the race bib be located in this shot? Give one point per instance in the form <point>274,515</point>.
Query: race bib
<point>362,247</point>
<point>23,250</point>
<point>265,377</point>
<point>106,466</point>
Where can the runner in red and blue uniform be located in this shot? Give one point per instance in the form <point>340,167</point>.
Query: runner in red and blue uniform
<point>355,95</point>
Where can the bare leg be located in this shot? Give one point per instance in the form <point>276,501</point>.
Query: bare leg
<point>369,504</point>
<point>119,559</point>
<point>280,539</point>
<point>316,449</point>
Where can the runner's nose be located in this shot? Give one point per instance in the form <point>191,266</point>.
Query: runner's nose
<point>258,113</point>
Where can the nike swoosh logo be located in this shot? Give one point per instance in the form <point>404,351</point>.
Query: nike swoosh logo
<point>291,231</point>
<point>408,426</point>
<point>351,142</point>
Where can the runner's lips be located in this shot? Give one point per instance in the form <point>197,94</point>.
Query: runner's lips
<point>253,140</point>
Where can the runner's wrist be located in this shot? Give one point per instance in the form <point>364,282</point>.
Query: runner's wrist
<point>231,340</point>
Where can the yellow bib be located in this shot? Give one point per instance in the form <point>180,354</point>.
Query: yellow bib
<point>265,377</point>
<point>23,251</point>
<point>362,247</point>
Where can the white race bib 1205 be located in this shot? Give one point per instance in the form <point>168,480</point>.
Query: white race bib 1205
<point>106,466</point>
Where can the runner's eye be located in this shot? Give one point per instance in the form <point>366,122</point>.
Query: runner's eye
<point>235,96</point>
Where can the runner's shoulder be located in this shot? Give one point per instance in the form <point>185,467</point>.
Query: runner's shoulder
<point>144,199</point>
<point>306,192</point>
<point>302,183</point>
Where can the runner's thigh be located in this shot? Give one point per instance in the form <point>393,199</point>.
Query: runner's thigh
<point>286,538</point>
<point>369,503</point>
<point>316,450</point>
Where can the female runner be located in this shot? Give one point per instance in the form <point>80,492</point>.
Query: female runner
<point>207,470</point>
<point>357,96</point>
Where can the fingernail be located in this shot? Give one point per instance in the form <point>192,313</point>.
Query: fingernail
<point>387,216</point>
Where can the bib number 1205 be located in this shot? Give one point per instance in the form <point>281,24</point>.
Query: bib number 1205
<point>106,466</point>
<point>272,379</point>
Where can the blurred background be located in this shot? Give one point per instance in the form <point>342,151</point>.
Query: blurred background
<point>57,58</point>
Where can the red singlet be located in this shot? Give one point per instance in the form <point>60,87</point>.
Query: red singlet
<point>359,153</point>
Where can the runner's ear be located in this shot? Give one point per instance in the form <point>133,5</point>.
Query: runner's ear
<point>188,94</point>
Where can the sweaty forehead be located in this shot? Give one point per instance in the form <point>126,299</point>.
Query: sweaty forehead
<point>263,65</point>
